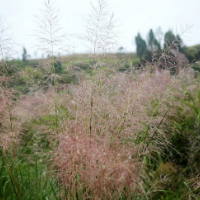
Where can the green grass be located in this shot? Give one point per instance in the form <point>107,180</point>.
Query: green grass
<point>32,181</point>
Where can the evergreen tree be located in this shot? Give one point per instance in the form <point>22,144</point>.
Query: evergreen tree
<point>141,46</point>
<point>153,44</point>
<point>172,41</point>
<point>169,38</point>
<point>24,55</point>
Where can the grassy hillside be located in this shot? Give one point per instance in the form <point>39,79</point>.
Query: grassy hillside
<point>98,125</point>
<point>95,130</point>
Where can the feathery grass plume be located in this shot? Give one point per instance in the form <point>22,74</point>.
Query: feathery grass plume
<point>9,132</point>
<point>50,35</point>
<point>50,41</point>
<point>6,41</point>
<point>101,36</point>
<point>8,128</point>
<point>90,168</point>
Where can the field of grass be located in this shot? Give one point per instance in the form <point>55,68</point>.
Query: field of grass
<point>98,133</point>
<point>98,125</point>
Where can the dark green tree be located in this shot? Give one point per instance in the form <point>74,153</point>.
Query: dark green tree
<point>121,49</point>
<point>24,55</point>
<point>172,41</point>
<point>58,67</point>
<point>169,39</point>
<point>179,43</point>
<point>141,46</point>
<point>153,44</point>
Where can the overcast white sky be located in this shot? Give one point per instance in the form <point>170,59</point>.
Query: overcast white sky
<point>133,16</point>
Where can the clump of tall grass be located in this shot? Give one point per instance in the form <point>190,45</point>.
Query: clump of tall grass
<point>51,36</point>
<point>10,128</point>
<point>102,157</point>
<point>9,132</point>
<point>20,179</point>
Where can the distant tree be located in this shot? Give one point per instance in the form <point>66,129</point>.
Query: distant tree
<point>58,67</point>
<point>179,43</point>
<point>172,41</point>
<point>141,46</point>
<point>121,49</point>
<point>168,39</point>
<point>192,53</point>
<point>153,44</point>
<point>25,56</point>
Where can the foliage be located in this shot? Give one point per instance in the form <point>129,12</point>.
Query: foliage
<point>153,44</point>
<point>32,180</point>
<point>25,55</point>
<point>141,46</point>
<point>192,53</point>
